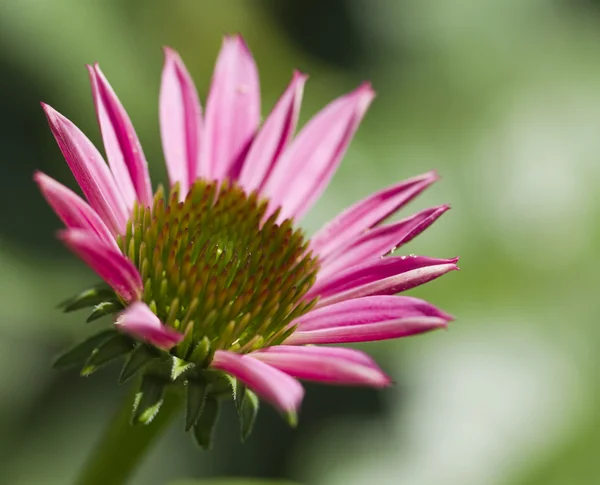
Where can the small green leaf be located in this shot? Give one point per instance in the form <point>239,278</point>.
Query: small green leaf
<point>116,346</point>
<point>136,360</point>
<point>88,297</point>
<point>103,309</point>
<point>77,356</point>
<point>179,367</point>
<point>250,405</point>
<point>148,400</point>
<point>205,425</point>
<point>196,397</point>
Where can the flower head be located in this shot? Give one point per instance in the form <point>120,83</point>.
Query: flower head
<point>212,283</point>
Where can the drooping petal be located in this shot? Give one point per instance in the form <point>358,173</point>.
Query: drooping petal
<point>180,122</point>
<point>281,390</point>
<point>123,148</point>
<point>139,321</point>
<point>274,136</point>
<point>325,364</point>
<point>386,276</point>
<point>72,209</point>
<point>90,171</point>
<point>380,241</point>
<point>385,330</point>
<point>367,310</point>
<point>305,168</point>
<point>367,213</point>
<point>232,111</point>
<point>109,264</point>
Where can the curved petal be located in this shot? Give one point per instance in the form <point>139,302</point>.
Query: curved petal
<point>305,168</point>
<point>139,321</point>
<point>123,149</point>
<point>281,390</point>
<point>273,136</point>
<point>380,241</point>
<point>232,111</point>
<point>367,213</point>
<point>90,171</point>
<point>386,276</point>
<point>367,310</point>
<point>384,330</point>
<point>110,265</point>
<point>180,122</point>
<point>72,209</point>
<point>325,364</point>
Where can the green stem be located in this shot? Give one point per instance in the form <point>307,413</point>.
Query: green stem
<point>123,446</point>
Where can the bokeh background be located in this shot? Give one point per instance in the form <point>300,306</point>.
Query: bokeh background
<point>501,97</point>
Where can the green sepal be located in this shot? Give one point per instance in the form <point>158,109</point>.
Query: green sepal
<point>88,297</point>
<point>238,395</point>
<point>77,356</point>
<point>179,367</point>
<point>105,308</point>
<point>205,425</point>
<point>248,413</point>
<point>114,347</point>
<point>148,400</point>
<point>200,352</point>
<point>136,360</point>
<point>196,398</point>
<point>221,385</point>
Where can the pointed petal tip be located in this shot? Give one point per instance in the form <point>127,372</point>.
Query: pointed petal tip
<point>366,90</point>
<point>237,38</point>
<point>171,55</point>
<point>168,51</point>
<point>39,177</point>
<point>50,112</point>
<point>299,76</point>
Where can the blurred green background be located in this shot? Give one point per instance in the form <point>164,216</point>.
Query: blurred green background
<point>501,97</point>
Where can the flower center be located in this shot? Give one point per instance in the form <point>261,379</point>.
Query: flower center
<point>216,270</point>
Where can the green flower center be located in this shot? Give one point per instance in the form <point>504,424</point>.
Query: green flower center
<point>216,270</point>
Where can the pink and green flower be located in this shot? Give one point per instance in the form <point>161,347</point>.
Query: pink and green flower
<point>211,281</point>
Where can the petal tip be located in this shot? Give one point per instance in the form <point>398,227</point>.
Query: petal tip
<point>299,76</point>
<point>366,90</point>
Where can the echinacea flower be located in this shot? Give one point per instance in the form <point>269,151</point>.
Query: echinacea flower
<point>211,281</point>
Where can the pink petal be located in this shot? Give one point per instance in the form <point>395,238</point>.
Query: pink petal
<point>109,264</point>
<point>367,310</point>
<point>325,364</point>
<point>380,241</point>
<point>282,391</point>
<point>305,168</point>
<point>90,171</point>
<point>382,277</point>
<point>123,149</point>
<point>139,321</point>
<point>180,122</point>
<point>367,213</point>
<point>73,210</point>
<point>385,330</point>
<point>232,111</point>
<point>274,136</point>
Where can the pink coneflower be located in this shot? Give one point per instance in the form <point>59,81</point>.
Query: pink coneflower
<point>212,278</point>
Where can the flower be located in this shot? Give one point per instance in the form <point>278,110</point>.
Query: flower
<point>212,279</point>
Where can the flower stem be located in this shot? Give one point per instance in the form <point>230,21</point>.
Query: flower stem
<point>123,446</point>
